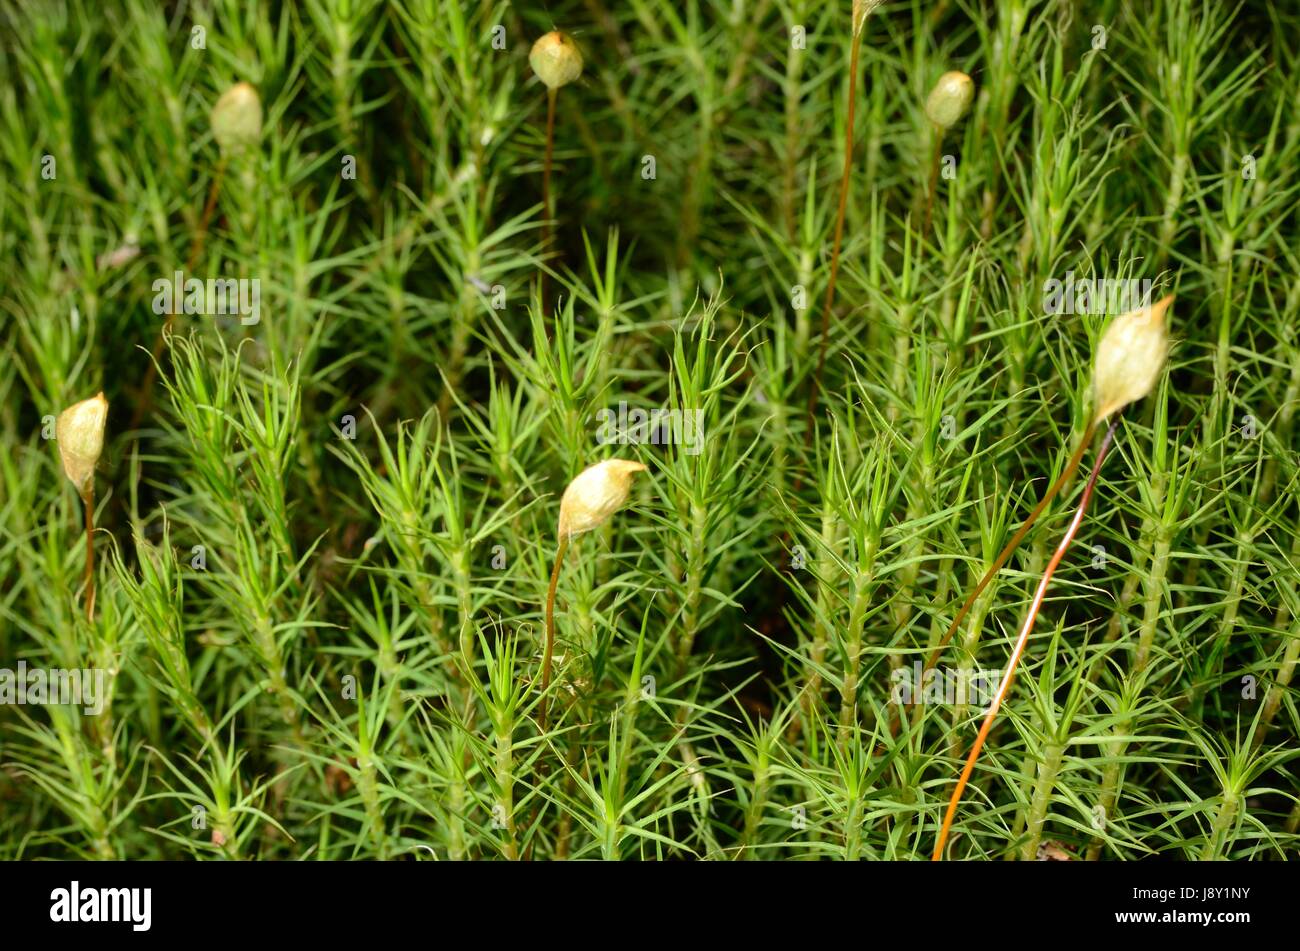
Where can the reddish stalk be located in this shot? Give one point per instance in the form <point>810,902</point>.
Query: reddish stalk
<point>1007,551</point>
<point>934,176</point>
<point>839,233</point>
<point>550,626</point>
<point>89,500</point>
<point>845,177</point>
<point>1019,648</point>
<point>551,95</point>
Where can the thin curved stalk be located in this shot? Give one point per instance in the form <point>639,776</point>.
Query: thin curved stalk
<point>1007,551</point>
<point>932,187</point>
<point>550,625</point>
<point>839,232</point>
<point>551,96</point>
<point>89,500</point>
<point>1019,648</point>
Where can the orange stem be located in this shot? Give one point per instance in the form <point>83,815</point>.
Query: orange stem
<point>89,500</point>
<point>551,96</point>
<point>839,234</point>
<point>1001,560</point>
<point>1019,648</point>
<point>550,625</point>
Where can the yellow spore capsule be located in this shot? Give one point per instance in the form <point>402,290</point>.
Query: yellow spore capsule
<point>1130,356</point>
<point>237,120</point>
<point>79,431</point>
<point>595,494</point>
<point>555,59</point>
<point>950,99</point>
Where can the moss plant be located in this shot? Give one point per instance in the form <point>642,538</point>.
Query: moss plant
<point>590,500</point>
<point>80,434</point>
<point>858,24</point>
<point>946,105</point>
<point>557,62</point>
<point>1130,357</point>
<point>236,122</point>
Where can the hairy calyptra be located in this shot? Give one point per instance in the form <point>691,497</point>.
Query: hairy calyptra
<point>1130,356</point>
<point>595,494</point>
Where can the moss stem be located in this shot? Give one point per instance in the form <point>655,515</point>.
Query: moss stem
<point>88,500</point>
<point>552,94</point>
<point>1023,639</point>
<point>839,233</point>
<point>550,625</point>
<point>1001,560</point>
